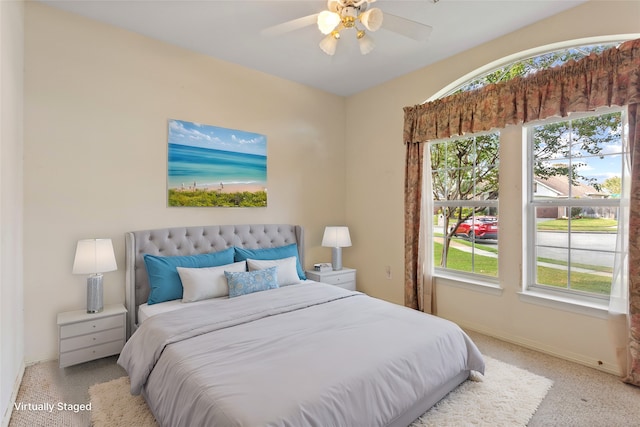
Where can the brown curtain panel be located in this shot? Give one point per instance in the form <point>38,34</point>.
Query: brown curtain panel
<point>611,78</point>
<point>412,202</point>
<point>632,374</point>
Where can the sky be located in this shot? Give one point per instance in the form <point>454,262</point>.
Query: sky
<point>217,138</point>
<point>599,167</point>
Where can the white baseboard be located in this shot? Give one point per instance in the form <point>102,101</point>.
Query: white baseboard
<point>43,360</point>
<point>14,395</point>
<point>544,348</point>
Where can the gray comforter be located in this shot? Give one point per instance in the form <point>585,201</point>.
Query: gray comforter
<point>301,355</point>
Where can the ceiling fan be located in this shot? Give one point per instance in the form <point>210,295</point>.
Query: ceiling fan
<point>357,15</point>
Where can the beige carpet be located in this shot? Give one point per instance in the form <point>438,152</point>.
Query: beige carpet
<point>505,396</point>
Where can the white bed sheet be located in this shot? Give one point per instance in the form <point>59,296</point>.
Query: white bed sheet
<point>145,311</point>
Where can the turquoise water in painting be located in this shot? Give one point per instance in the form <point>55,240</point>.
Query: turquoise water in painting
<point>208,167</point>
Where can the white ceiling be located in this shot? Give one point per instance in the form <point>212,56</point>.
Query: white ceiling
<point>231,30</point>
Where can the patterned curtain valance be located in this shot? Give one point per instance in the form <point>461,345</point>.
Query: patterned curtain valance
<point>610,78</point>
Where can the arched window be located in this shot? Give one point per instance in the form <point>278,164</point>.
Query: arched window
<point>530,65</point>
<point>561,186</point>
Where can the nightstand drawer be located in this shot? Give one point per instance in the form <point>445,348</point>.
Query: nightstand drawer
<point>350,286</point>
<point>87,327</point>
<point>90,353</point>
<point>339,279</point>
<point>88,336</point>
<point>75,343</point>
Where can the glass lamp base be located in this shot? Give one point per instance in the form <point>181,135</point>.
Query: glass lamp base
<point>94,294</point>
<point>336,258</point>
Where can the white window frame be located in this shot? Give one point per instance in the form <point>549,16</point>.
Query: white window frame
<point>530,287</point>
<point>447,273</point>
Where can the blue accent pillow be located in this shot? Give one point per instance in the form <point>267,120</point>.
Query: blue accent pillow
<point>280,252</point>
<point>164,279</point>
<point>251,281</point>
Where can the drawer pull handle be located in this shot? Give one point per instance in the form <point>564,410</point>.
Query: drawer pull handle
<point>93,326</point>
<point>94,338</point>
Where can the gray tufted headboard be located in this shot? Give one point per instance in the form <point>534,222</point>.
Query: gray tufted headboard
<point>191,241</point>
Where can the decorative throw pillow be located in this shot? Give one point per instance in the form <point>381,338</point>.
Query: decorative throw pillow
<point>270,254</point>
<point>207,282</point>
<point>251,281</point>
<point>287,272</point>
<point>164,280</point>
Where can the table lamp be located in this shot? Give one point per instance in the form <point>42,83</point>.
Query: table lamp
<point>94,257</point>
<point>336,238</point>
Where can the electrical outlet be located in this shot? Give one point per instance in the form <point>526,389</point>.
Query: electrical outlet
<point>387,269</point>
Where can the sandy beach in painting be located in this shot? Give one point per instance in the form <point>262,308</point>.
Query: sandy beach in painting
<point>224,188</point>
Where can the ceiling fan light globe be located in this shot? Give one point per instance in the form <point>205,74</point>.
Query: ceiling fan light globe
<point>372,19</point>
<point>329,44</point>
<point>328,21</point>
<point>333,5</point>
<point>366,44</point>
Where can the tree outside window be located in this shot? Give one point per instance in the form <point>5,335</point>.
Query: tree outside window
<point>465,194</point>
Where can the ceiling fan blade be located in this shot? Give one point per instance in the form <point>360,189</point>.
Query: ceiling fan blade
<point>294,24</point>
<point>412,29</point>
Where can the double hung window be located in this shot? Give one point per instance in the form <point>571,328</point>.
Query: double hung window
<point>464,182</point>
<point>576,174</point>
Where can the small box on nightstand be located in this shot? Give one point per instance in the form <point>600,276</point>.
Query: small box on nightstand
<point>322,267</point>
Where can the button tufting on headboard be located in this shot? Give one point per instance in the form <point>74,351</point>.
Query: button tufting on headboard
<point>191,241</point>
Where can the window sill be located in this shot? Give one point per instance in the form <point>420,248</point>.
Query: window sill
<point>567,304</point>
<point>469,283</point>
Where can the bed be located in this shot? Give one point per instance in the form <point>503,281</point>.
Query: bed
<point>297,354</point>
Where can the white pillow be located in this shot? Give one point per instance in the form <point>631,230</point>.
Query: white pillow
<point>207,282</point>
<point>287,272</point>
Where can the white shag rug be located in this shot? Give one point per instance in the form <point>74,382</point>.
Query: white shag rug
<point>112,405</point>
<point>506,396</point>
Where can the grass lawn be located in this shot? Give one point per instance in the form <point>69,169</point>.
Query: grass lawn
<point>600,268</point>
<point>580,224</point>
<point>487,248</point>
<point>579,281</point>
<point>462,261</point>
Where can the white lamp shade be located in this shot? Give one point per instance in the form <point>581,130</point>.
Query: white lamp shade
<point>329,45</point>
<point>366,44</point>
<point>372,19</point>
<point>336,237</point>
<point>94,256</point>
<point>328,21</point>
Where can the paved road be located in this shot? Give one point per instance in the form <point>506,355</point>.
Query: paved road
<point>588,248</point>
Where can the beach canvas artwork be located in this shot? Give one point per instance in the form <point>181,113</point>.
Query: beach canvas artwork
<point>215,166</point>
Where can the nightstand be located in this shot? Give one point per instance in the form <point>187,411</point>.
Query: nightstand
<point>86,336</point>
<point>345,278</point>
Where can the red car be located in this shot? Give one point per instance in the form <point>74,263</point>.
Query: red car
<point>484,227</point>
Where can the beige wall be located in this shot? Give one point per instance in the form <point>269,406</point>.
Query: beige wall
<point>12,335</point>
<point>375,180</point>
<point>97,102</point>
